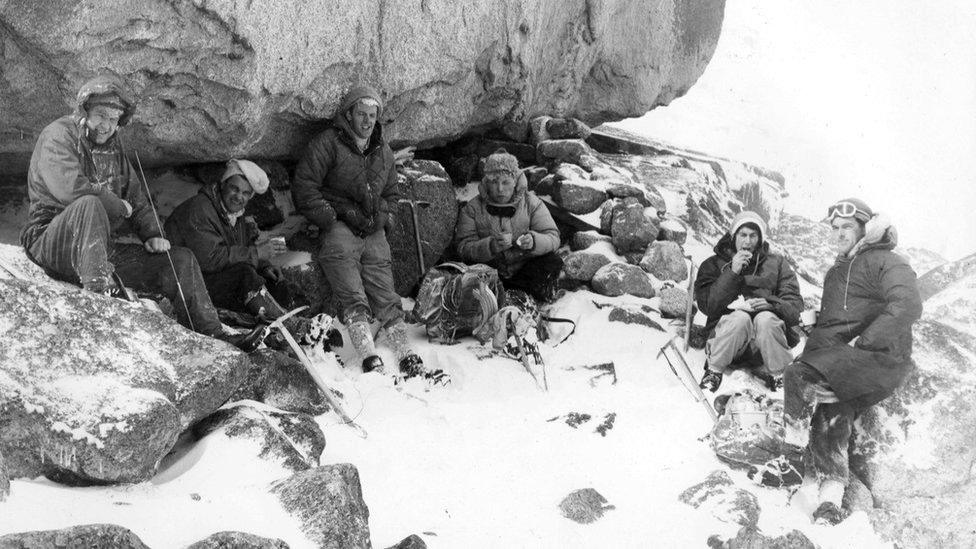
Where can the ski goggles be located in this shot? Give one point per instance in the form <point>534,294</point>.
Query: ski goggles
<point>847,209</point>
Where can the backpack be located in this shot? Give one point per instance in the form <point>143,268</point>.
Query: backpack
<point>457,300</point>
<point>749,435</point>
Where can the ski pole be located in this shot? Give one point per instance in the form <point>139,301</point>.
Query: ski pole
<point>162,234</point>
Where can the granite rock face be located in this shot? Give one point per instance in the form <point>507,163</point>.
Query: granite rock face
<point>95,390</point>
<point>220,79</point>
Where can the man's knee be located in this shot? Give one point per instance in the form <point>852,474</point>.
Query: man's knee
<point>89,202</point>
<point>247,276</point>
<point>767,322</point>
<point>734,322</point>
<point>184,261</point>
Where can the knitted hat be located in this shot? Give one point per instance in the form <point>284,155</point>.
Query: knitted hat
<point>747,216</point>
<point>501,161</point>
<point>249,171</point>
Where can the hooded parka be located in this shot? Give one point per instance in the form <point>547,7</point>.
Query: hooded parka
<point>334,180</point>
<point>476,225</point>
<point>767,275</point>
<point>66,165</point>
<point>873,298</point>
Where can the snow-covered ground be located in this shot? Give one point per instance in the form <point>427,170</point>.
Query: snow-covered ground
<point>476,464</point>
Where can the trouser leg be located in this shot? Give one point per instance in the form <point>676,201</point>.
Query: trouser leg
<point>538,277</point>
<point>75,245</point>
<point>231,287</point>
<point>339,257</point>
<point>830,433</point>
<point>803,389</point>
<point>733,333</point>
<point>770,339</point>
<point>377,279</point>
<point>153,272</point>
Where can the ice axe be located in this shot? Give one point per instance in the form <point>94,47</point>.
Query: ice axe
<point>312,371</point>
<point>684,375</point>
<point>414,204</point>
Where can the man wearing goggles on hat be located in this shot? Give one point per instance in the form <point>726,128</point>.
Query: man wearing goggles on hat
<point>869,297</point>
<point>83,192</point>
<point>753,331</point>
<point>511,229</point>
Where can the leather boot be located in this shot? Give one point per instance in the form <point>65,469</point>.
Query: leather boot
<point>246,342</point>
<point>261,304</point>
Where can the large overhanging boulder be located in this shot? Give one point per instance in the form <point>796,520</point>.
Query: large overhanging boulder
<point>221,78</point>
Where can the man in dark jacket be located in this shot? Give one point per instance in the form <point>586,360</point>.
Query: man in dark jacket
<point>870,295</point>
<point>83,191</point>
<point>752,299</point>
<point>234,259</point>
<point>346,184</point>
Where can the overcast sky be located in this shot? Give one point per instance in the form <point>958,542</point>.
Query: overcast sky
<point>875,99</point>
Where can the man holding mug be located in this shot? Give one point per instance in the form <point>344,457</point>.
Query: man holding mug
<point>234,257</point>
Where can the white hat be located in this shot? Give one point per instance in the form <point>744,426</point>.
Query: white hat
<point>249,171</point>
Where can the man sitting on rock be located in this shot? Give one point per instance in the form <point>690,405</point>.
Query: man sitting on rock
<point>346,184</point>
<point>510,229</point>
<point>869,294</point>
<point>234,259</point>
<point>83,190</point>
<point>752,299</point>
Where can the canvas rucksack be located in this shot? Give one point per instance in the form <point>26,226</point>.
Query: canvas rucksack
<point>457,300</point>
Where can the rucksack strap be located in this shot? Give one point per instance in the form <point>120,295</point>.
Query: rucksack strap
<point>560,320</point>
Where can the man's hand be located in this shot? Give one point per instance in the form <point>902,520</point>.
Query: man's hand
<point>270,272</point>
<point>758,304</point>
<point>526,241</point>
<point>501,241</point>
<point>740,260</point>
<point>269,247</point>
<point>156,245</point>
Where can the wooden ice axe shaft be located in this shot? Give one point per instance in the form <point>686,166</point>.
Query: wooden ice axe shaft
<point>416,229</point>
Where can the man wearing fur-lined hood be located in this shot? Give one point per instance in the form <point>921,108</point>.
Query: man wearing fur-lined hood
<point>870,298</point>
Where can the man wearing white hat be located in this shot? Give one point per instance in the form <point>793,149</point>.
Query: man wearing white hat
<point>752,299</point>
<point>234,258</point>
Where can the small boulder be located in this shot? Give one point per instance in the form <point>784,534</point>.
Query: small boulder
<point>674,302</point>
<point>606,216</point>
<point>626,316</point>
<point>328,502</point>
<point>571,172</point>
<point>631,228</point>
<point>238,540</point>
<point>718,494</point>
<point>546,186</point>
<point>583,265</point>
<point>617,279</point>
<point>567,128</point>
<point>623,190</point>
<point>749,537</point>
<point>86,535</point>
<point>534,175</point>
<point>578,196</point>
<point>294,440</point>
<point>413,541</point>
<point>280,381</point>
<point>537,129</point>
<point>584,506</point>
<point>673,231</point>
<point>665,260</point>
<point>582,240</point>
<point>553,151</point>
<point>588,162</point>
